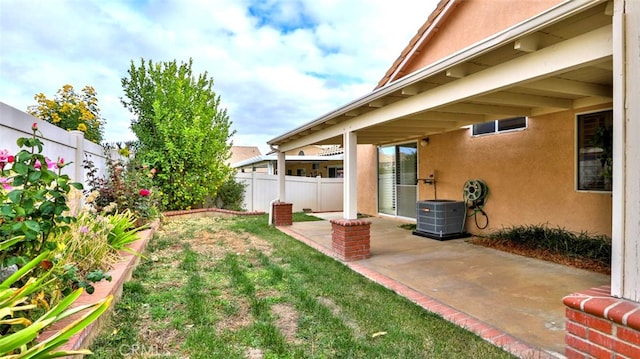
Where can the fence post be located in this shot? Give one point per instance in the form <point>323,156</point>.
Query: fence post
<point>78,169</point>
<point>318,194</point>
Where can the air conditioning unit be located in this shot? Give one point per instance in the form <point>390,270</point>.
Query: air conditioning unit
<point>441,219</point>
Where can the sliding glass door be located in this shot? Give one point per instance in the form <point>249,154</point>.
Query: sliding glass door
<point>397,179</point>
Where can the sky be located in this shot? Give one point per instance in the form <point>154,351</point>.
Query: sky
<point>276,64</point>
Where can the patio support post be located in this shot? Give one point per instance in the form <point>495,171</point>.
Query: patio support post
<point>350,202</point>
<point>281,210</point>
<point>625,276</point>
<point>350,236</point>
<point>605,322</point>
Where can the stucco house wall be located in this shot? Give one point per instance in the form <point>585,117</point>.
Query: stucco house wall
<point>531,175</point>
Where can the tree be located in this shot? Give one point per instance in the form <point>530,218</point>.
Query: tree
<point>71,111</point>
<point>182,131</point>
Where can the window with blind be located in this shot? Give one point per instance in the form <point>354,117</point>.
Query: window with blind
<point>595,151</point>
<point>507,124</point>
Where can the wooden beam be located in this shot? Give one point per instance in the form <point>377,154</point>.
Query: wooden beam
<point>571,87</point>
<point>487,109</point>
<point>446,116</point>
<point>377,103</point>
<point>529,43</point>
<point>458,71</point>
<point>517,99</point>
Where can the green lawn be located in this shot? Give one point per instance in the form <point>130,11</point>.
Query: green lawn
<point>233,287</point>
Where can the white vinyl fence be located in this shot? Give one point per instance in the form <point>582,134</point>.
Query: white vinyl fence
<point>58,143</point>
<point>315,193</point>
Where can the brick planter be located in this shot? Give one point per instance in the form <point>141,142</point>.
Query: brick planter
<point>282,213</point>
<point>350,239</point>
<point>601,326</point>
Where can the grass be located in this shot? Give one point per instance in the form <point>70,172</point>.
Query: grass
<point>233,287</point>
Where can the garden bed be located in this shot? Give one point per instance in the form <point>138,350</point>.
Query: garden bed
<point>120,273</point>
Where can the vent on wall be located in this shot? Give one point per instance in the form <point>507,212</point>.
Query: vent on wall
<point>441,219</point>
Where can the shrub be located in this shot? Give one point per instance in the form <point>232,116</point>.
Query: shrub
<point>558,240</point>
<point>230,195</point>
<point>128,186</point>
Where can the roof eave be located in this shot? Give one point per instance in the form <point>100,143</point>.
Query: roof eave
<point>554,14</point>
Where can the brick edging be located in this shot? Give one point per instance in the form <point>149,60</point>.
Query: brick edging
<point>218,210</point>
<point>599,302</point>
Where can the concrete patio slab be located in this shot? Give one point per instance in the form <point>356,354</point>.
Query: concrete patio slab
<point>513,301</point>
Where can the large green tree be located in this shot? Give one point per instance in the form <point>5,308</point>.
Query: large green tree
<point>182,131</point>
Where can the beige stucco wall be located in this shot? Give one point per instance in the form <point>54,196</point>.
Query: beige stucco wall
<point>530,174</point>
<point>367,161</point>
<point>464,27</point>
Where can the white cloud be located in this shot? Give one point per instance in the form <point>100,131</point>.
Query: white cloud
<point>276,64</point>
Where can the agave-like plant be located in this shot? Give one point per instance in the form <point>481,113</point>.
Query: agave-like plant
<point>21,343</point>
<point>124,231</point>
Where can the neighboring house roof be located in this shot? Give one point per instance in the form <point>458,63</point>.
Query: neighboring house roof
<point>419,41</point>
<point>267,158</point>
<point>240,153</point>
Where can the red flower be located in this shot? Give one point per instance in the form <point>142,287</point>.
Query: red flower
<point>145,192</point>
<point>10,159</point>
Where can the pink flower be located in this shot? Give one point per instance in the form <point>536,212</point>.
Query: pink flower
<point>51,165</point>
<point>34,127</point>
<point>145,192</point>
<point>4,156</point>
<point>37,165</point>
<point>84,229</point>
<point>60,163</point>
<point>6,184</point>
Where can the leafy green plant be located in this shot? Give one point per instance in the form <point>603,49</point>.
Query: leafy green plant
<point>182,130</point>
<point>124,232</point>
<point>18,340</point>
<point>230,195</point>
<point>32,200</point>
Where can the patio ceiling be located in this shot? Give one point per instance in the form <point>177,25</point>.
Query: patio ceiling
<point>557,61</point>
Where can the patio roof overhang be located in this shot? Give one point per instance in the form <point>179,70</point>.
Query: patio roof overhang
<point>556,61</point>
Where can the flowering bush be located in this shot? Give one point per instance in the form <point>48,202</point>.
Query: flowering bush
<point>32,200</point>
<point>128,186</point>
<point>71,111</point>
<point>33,216</point>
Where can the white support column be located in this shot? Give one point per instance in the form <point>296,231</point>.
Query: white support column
<point>281,179</point>
<point>625,266</point>
<point>350,199</point>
